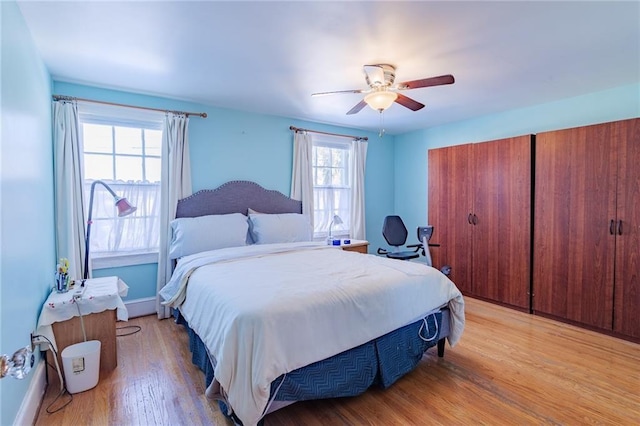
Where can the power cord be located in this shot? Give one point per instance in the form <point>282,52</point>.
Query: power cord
<point>76,298</point>
<point>136,328</point>
<point>35,341</point>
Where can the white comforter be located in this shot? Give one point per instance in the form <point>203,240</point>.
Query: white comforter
<point>265,310</point>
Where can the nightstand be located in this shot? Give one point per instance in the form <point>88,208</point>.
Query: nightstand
<point>360,246</point>
<point>100,304</point>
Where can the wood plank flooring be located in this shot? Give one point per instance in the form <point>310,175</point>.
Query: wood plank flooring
<point>509,368</point>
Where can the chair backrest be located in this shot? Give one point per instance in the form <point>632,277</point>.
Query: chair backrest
<point>394,231</point>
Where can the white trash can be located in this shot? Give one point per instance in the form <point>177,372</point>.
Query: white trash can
<point>81,364</point>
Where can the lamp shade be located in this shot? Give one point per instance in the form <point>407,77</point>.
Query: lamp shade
<point>338,221</point>
<point>380,100</point>
<point>124,207</point>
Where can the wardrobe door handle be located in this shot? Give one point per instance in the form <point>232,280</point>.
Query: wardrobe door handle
<point>475,219</point>
<point>619,227</point>
<point>469,219</point>
<point>612,227</point>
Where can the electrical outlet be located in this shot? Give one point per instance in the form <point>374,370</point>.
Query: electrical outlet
<point>77,294</point>
<point>36,341</point>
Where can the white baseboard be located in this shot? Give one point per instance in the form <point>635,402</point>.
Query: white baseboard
<point>31,403</point>
<point>141,307</point>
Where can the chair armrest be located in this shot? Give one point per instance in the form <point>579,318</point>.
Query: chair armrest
<point>416,247</point>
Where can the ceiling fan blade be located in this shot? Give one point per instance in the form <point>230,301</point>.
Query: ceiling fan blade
<point>427,82</point>
<point>408,102</point>
<point>375,75</point>
<point>356,109</point>
<point>337,92</point>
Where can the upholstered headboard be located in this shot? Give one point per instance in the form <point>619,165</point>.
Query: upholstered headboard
<point>237,196</point>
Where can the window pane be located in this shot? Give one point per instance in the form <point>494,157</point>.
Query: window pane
<point>152,169</point>
<point>337,177</point>
<point>97,138</point>
<point>153,142</point>
<point>337,158</point>
<point>128,140</point>
<point>100,231</point>
<point>98,166</point>
<point>128,168</point>
<point>323,176</point>
<point>323,157</point>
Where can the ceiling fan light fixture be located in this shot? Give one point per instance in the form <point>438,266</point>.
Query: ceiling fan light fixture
<point>380,100</point>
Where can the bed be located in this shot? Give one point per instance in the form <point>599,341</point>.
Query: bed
<point>274,318</point>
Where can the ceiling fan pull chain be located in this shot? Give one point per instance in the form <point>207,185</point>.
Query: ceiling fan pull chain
<point>381,133</point>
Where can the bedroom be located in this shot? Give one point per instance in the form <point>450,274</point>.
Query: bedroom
<point>397,185</point>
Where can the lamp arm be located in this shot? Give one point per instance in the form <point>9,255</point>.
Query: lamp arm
<point>107,187</point>
<point>89,222</point>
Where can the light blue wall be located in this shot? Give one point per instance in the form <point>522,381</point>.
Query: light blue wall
<point>410,154</point>
<point>232,145</point>
<point>27,253</point>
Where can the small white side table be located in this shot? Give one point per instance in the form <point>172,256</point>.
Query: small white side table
<point>100,305</point>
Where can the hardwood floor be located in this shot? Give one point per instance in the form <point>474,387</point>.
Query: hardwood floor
<point>509,368</point>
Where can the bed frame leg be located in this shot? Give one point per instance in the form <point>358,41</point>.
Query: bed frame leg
<point>441,348</point>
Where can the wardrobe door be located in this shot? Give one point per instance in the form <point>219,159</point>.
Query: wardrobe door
<point>502,220</point>
<point>627,269</point>
<point>449,209</point>
<point>575,175</point>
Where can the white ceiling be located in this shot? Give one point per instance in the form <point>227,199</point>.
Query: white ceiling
<point>268,57</point>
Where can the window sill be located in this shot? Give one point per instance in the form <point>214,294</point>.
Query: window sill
<point>119,260</point>
<point>324,236</point>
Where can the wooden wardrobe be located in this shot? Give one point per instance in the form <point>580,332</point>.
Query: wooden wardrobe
<point>586,263</point>
<point>480,206</point>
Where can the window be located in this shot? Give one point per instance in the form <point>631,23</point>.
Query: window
<point>126,155</point>
<point>331,186</point>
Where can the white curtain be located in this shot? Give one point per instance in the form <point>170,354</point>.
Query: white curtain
<point>327,202</point>
<point>358,160</point>
<point>131,234</point>
<point>176,184</point>
<point>302,176</point>
<point>69,188</point>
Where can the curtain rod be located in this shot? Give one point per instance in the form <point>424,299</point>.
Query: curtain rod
<point>298,129</point>
<point>72,98</point>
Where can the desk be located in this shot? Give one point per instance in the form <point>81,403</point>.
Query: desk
<point>361,246</point>
<point>100,304</point>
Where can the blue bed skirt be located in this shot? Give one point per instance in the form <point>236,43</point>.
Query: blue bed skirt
<point>381,361</point>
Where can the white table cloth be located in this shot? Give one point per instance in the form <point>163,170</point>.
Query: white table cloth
<point>100,294</point>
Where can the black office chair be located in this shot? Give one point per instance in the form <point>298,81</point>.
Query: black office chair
<point>394,231</point>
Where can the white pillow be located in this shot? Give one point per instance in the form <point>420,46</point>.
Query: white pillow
<point>195,234</point>
<point>280,228</point>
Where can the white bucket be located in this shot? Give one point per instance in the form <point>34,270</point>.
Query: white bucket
<point>81,364</point>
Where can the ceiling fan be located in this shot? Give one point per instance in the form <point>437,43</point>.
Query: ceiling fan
<point>382,91</point>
